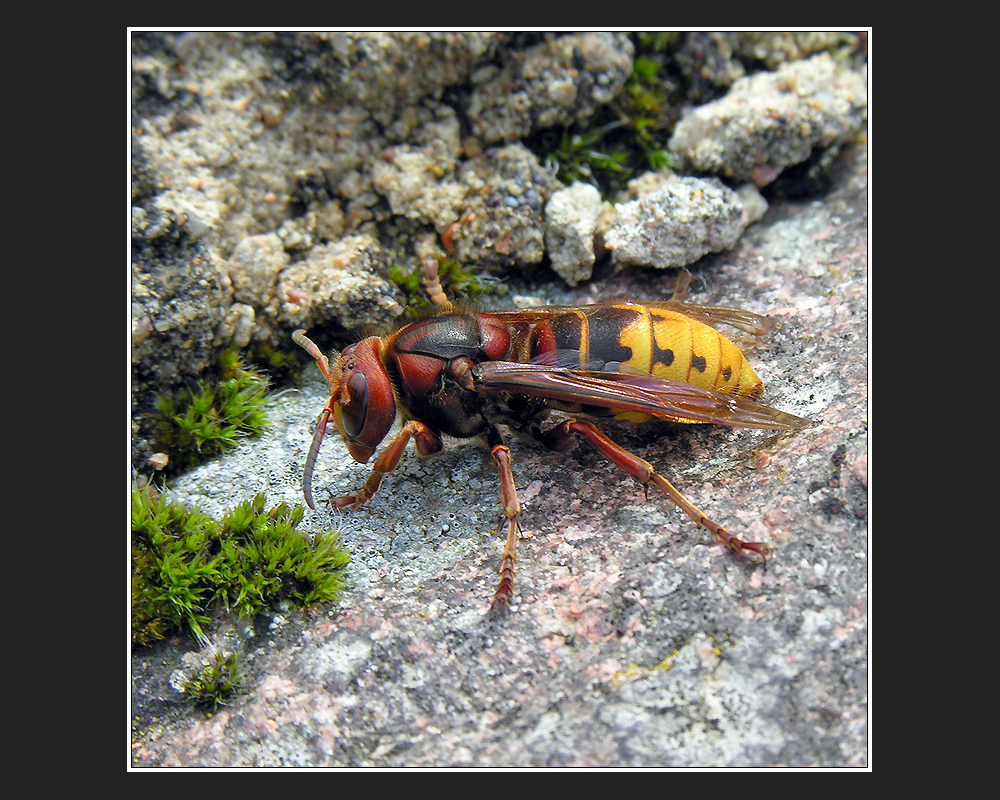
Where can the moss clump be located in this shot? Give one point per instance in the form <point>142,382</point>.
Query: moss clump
<point>192,426</point>
<point>649,111</point>
<point>281,366</point>
<point>186,564</point>
<point>411,285</point>
<point>626,136</point>
<point>456,280</point>
<point>215,683</point>
<point>576,156</point>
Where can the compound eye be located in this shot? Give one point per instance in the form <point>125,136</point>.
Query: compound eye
<point>355,413</point>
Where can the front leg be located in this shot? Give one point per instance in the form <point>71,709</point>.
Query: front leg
<point>427,442</point>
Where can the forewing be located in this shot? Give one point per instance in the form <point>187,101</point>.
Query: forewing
<point>746,321</point>
<point>621,391</point>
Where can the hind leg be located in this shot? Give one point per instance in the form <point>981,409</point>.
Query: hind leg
<point>558,438</point>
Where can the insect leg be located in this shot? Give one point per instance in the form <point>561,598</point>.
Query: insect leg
<point>683,286</point>
<point>433,284</point>
<point>427,442</point>
<point>644,472</point>
<point>511,510</point>
<point>307,344</point>
<point>307,473</point>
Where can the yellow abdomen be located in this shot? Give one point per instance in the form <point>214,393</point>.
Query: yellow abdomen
<point>674,347</point>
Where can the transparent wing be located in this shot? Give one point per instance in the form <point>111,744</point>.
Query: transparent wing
<point>746,321</point>
<point>623,391</point>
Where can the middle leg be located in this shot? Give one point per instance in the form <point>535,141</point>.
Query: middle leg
<point>511,510</point>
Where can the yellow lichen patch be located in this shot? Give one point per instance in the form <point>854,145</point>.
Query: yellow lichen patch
<point>635,671</point>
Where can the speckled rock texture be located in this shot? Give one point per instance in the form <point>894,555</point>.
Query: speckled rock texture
<point>771,120</point>
<point>676,223</point>
<point>382,72</point>
<point>712,60</point>
<point>503,219</point>
<point>635,640</point>
<point>558,82</point>
<point>573,233</point>
<point>340,280</point>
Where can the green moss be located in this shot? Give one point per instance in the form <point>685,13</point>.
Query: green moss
<point>625,137</point>
<point>282,366</point>
<point>185,564</point>
<point>456,280</point>
<point>410,284</point>
<point>459,281</point>
<point>656,41</point>
<point>192,426</point>
<point>647,105</point>
<point>576,157</point>
<point>214,684</point>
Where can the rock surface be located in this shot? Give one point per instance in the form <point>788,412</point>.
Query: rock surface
<point>635,641</point>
